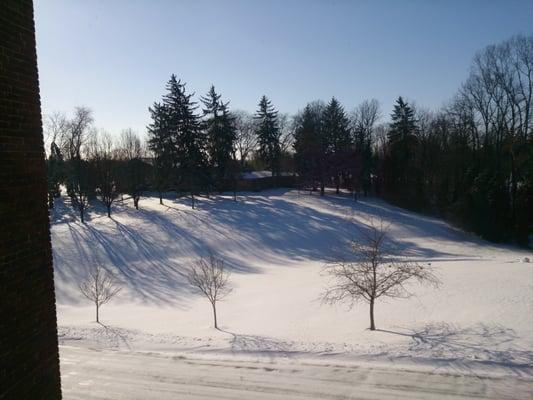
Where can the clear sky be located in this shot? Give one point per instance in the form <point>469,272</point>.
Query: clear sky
<point>115,56</point>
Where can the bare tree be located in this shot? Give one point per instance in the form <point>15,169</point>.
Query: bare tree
<point>73,142</point>
<point>99,287</point>
<point>364,118</point>
<point>131,151</point>
<point>246,139</point>
<point>55,127</point>
<point>377,271</point>
<point>75,136</point>
<point>286,126</point>
<point>210,278</point>
<point>103,157</point>
<point>130,146</point>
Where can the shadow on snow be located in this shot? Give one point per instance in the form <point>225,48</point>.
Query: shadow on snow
<point>150,248</point>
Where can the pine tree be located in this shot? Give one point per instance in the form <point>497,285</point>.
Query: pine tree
<point>187,137</point>
<point>182,137</point>
<point>55,168</point>
<point>268,135</point>
<point>403,126</point>
<point>219,131</point>
<point>161,145</point>
<point>339,142</point>
<point>402,141</point>
<point>310,146</point>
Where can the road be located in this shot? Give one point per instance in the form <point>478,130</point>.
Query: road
<point>104,374</point>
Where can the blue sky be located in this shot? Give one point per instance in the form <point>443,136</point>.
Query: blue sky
<point>115,56</point>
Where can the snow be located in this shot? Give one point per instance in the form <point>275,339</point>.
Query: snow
<point>103,374</point>
<point>256,174</point>
<point>251,175</point>
<point>276,244</point>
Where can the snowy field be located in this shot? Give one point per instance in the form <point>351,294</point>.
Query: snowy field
<point>479,323</point>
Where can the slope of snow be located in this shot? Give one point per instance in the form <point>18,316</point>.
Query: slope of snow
<point>276,243</point>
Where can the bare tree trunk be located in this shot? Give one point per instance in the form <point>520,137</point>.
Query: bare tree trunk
<point>514,187</point>
<point>215,314</point>
<point>81,215</point>
<point>136,202</point>
<point>322,190</point>
<point>355,189</point>
<point>97,319</point>
<point>192,200</point>
<point>108,211</point>
<point>234,189</point>
<point>372,324</point>
<point>160,198</point>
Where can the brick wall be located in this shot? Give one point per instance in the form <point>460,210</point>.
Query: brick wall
<point>29,366</point>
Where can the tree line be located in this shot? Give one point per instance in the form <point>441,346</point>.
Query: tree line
<point>470,162</point>
<point>187,151</point>
<point>91,164</point>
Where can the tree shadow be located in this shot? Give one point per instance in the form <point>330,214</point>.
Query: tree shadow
<point>64,212</point>
<point>482,344</point>
<point>260,345</point>
<point>114,336</point>
<point>290,229</point>
<point>149,249</point>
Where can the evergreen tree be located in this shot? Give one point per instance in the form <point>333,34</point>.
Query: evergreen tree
<point>268,135</point>
<point>162,147</point>
<point>310,146</point>
<point>220,135</point>
<point>402,142</point>
<point>403,126</point>
<point>177,140</point>
<point>339,142</point>
<point>187,138</point>
<point>55,169</point>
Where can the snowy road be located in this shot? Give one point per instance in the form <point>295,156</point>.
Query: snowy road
<point>103,374</point>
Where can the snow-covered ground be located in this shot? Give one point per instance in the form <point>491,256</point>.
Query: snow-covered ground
<point>480,321</point>
<point>89,374</point>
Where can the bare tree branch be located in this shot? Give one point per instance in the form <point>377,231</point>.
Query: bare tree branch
<point>246,139</point>
<point>210,278</point>
<point>99,287</point>
<point>378,271</point>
